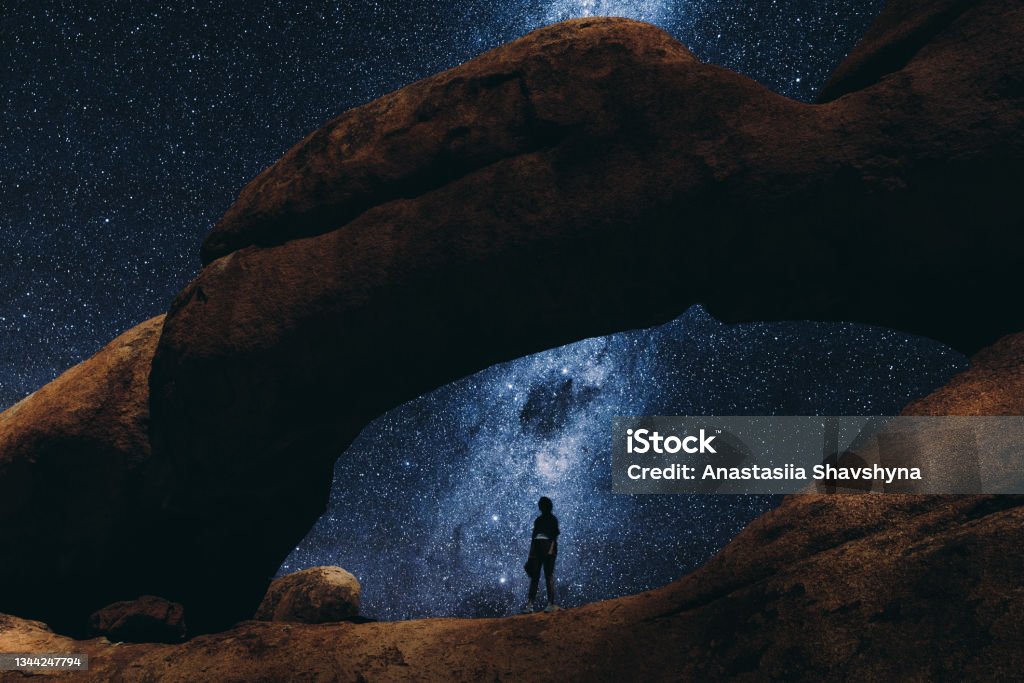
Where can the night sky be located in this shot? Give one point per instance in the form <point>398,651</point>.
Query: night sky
<point>128,128</point>
<point>444,489</point>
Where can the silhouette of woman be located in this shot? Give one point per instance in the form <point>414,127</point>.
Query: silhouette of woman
<point>543,550</point>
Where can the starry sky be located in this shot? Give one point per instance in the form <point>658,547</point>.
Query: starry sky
<point>128,129</point>
<point>444,489</point>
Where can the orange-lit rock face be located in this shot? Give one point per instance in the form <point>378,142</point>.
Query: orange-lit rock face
<point>71,457</point>
<point>311,596</point>
<point>993,385</point>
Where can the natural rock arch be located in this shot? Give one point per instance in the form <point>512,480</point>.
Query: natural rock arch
<point>590,177</point>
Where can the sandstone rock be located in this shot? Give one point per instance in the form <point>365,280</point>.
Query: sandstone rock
<point>311,596</point>
<point>992,385</point>
<point>147,619</point>
<point>519,100</point>
<point>588,178</point>
<point>26,635</point>
<point>70,462</point>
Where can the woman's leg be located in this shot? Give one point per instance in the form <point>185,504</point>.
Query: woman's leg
<point>549,577</point>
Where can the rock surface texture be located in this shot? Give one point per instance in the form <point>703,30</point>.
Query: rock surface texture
<point>311,596</point>
<point>71,457</point>
<point>590,177</point>
<point>993,385</point>
<point>147,619</point>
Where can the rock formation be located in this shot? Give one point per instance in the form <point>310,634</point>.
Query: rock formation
<point>311,596</point>
<point>70,461</point>
<point>993,385</point>
<point>590,177</point>
<point>147,619</point>
<point>890,587</point>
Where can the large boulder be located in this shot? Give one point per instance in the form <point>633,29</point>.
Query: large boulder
<point>71,457</point>
<point>312,596</point>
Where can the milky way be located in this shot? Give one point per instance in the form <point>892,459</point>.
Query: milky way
<point>660,13</point>
<point>442,490</point>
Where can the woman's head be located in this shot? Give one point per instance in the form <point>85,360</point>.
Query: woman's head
<point>544,504</point>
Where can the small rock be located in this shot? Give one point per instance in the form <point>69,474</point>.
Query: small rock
<point>312,596</point>
<point>148,619</point>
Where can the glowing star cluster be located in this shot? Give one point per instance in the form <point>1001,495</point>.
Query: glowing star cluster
<point>652,12</point>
